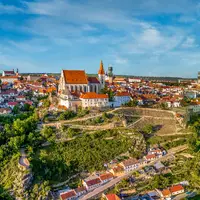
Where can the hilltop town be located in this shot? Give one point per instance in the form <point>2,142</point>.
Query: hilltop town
<point>75,136</point>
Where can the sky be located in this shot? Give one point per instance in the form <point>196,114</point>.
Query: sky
<point>136,37</point>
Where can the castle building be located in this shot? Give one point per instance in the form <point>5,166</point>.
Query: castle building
<point>9,76</point>
<point>73,83</point>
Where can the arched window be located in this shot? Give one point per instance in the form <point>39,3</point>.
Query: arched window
<point>95,88</point>
<point>84,88</point>
<point>90,88</point>
<point>75,88</point>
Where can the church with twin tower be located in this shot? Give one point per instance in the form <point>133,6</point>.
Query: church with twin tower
<point>73,83</point>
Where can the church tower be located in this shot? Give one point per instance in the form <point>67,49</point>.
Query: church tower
<point>101,75</point>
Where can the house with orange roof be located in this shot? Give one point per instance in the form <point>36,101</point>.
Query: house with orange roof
<point>106,177</point>
<point>150,157</point>
<point>92,99</point>
<point>68,195</point>
<point>164,194</point>
<point>91,183</point>
<point>111,197</point>
<point>176,189</point>
<point>117,170</point>
<point>130,164</point>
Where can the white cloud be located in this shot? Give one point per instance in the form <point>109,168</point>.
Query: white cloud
<point>151,37</point>
<point>189,43</point>
<point>32,46</point>
<point>9,9</point>
<point>120,60</point>
<point>187,19</point>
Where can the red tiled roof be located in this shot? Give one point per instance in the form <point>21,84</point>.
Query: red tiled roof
<point>150,156</point>
<point>21,97</point>
<point>80,189</point>
<point>176,188</point>
<point>93,95</point>
<point>75,77</point>
<point>166,192</point>
<point>29,102</point>
<point>122,94</point>
<point>67,195</point>
<point>112,197</point>
<point>9,72</point>
<point>8,77</point>
<point>106,176</point>
<point>12,103</point>
<point>93,182</point>
<point>101,69</point>
<point>93,80</point>
<point>129,162</point>
<point>117,169</point>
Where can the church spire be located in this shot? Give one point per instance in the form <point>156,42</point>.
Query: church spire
<point>101,69</point>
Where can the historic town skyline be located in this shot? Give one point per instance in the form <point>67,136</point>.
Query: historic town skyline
<point>152,38</point>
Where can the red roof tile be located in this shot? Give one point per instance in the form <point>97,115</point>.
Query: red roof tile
<point>67,195</point>
<point>93,182</point>
<point>166,192</point>
<point>75,77</point>
<point>12,103</point>
<point>93,95</point>
<point>176,188</point>
<point>101,69</point>
<point>93,80</point>
<point>150,156</point>
<point>122,94</point>
<point>106,176</point>
<point>112,197</point>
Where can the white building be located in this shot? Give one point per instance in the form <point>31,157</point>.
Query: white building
<point>130,164</point>
<point>134,80</point>
<point>91,183</point>
<point>92,99</point>
<point>75,83</point>
<point>120,98</point>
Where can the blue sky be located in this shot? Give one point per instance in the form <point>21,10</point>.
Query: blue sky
<point>137,37</point>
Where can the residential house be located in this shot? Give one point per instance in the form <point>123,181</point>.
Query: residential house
<point>130,164</point>
<point>111,197</point>
<point>120,98</point>
<point>68,195</point>
<point>12,104</point>
<point>134,80</point>
<point>166,194</point>
<point>4,111</point>
<point>117,170</point>
<point>176,189</point>
<point>91,183</point>
<point>80,191</point>
<point>106,177</point>
<point>92,99</point>
<point>21,98</point>
<point>150,157</point>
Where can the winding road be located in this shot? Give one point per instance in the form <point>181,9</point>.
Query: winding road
<point>101,189</point>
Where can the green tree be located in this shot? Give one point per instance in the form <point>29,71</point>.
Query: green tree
<point>148,129</point>
<point>16,109</point>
